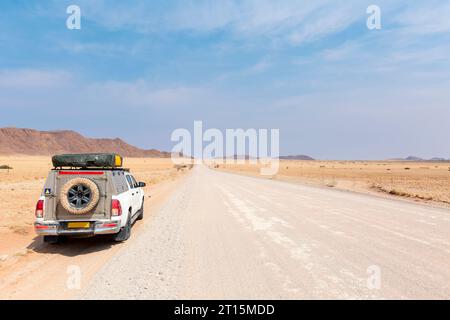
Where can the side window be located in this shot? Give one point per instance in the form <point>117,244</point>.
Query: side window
<point>130,181</point>
<point>134,182</point>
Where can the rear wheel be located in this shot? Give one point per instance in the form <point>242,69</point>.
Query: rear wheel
<point>124,233</point>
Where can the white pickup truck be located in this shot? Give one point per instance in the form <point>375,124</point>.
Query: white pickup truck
<point>87,195</point>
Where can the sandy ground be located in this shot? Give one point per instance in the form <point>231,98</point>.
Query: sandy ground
<point>21,252</point>
<point>426,182</point>
<point>228,236</point>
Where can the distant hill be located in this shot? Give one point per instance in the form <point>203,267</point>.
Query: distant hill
<point>247,157</point>
<point>413,158</point>
<point>297,157</point>
<point>34,142</point>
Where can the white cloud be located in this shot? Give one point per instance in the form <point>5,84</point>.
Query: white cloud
<point>342,52</point>
<point>28,88</point>
<point>255,69</point>
<point>429,17</point>
<point>97,48</point>
<point>141,94</point>
<point>331,20</point>
<point>289,20</point>
<point>33,79</point>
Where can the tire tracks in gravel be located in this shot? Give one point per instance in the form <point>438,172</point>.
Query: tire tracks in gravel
<point>149,268</point>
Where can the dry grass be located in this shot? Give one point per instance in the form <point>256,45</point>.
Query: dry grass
<point>419,181</point>
<point>21,186</point>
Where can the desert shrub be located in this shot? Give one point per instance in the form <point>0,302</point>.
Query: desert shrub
<point>5,167</point>
<point>399,193</point>
<point>180,167</point>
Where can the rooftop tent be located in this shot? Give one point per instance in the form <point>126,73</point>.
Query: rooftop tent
<point>95,160</point>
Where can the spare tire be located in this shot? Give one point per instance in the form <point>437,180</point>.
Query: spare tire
<point>79,196</point>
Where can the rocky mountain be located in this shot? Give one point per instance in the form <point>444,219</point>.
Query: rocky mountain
<point>34,142</point>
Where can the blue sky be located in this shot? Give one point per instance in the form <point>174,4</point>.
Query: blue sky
<point>140,69</point>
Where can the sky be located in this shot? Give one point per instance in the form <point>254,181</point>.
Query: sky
<point>312,69</point>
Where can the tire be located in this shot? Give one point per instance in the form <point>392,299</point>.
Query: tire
<point>141,212</point>
<point>124,233</point>
<point>79,196</point>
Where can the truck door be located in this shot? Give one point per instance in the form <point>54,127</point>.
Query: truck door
<point>132,193</point>
<point>137,195</point>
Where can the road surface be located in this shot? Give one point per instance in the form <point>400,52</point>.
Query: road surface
<point>227,236</point>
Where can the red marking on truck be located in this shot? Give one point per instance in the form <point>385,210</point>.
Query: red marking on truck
<point>80,172</point>
<point>109,225</point>
<point>41,227</point>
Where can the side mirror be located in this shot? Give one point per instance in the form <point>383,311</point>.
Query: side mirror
<point>141,184</point>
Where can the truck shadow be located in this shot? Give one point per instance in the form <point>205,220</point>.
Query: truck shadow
<point>73,246</point>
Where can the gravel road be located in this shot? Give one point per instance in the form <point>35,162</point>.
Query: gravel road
<point>226,236</point>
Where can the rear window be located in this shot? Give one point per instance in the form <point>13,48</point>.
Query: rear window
<point>120,182</point>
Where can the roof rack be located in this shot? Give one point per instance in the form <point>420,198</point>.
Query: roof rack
<point>88,160</point>
<point>91,168</point>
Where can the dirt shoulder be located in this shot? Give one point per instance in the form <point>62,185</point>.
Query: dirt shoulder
<point>423,182</point>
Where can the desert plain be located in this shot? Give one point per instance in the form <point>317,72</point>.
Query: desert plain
<point>427,182</point>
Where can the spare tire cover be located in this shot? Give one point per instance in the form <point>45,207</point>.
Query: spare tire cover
<point>79,196</point>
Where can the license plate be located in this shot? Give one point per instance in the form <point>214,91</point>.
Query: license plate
<point>79,225</point>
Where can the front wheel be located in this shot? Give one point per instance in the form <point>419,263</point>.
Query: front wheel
<point>124,233</point>
<point>141,212</point>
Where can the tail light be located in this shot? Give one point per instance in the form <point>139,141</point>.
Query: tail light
<point>116,208</point>
<point>39,213</point>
